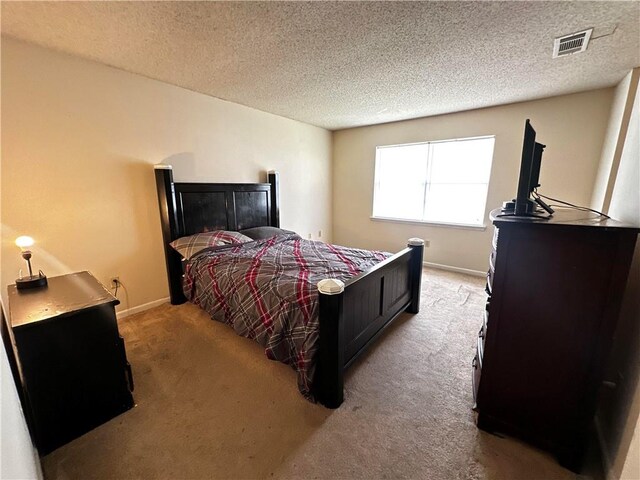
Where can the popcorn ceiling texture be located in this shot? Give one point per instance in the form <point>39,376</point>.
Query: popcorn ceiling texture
<point>345,64</point>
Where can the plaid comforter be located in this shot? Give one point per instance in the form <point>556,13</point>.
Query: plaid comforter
<point>266,290</point>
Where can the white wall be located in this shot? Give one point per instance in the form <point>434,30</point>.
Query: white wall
<point>625,198</point>
<point>18,457</point>
<point>78,143</point>
<point>614,142</point>
<point>619,412</point>
<point>572,127</point>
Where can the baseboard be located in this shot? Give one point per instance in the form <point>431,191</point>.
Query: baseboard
<point>141,308</point>
<point>467,271</point>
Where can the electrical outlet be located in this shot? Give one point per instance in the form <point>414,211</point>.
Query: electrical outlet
<point>309,236</point>
<point>115,281</point>
<point>427,243</point>
<point>319,233</point>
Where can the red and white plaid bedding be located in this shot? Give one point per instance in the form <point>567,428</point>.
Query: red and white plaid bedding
<point>266,290</point>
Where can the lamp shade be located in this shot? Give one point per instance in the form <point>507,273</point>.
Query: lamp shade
<point>24,241</point>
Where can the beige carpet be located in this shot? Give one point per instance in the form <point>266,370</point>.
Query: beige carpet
<point>210,405</point>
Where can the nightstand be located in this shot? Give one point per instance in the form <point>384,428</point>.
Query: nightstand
<point>74,367</point>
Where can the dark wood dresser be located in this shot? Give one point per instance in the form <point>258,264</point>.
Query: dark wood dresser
<point>554,293</point>
<point>72,358</point>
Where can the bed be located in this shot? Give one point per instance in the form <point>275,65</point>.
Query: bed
<point>347,317</point>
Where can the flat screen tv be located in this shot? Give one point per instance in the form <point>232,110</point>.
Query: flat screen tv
<point>524,205</point>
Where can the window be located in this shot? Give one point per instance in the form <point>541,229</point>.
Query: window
<point>435,182</point>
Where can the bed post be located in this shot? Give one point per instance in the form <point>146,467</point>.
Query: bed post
<point>329,377</point>
<point>274,179</point>
<point>168,220</point>
<point>415,272</point>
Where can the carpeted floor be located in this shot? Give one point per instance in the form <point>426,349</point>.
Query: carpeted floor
<point>210,405</point>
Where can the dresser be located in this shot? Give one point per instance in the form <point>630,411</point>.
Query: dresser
<point>73,363</point>
<point>554,290</point>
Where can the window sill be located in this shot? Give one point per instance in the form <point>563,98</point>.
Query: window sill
<point>463,226</point>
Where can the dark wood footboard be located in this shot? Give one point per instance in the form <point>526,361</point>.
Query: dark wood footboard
<point>351,319</point>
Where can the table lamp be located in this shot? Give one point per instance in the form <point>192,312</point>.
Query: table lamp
<point>32,281</point>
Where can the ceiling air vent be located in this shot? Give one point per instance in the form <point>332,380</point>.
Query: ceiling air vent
<point>569,44</point>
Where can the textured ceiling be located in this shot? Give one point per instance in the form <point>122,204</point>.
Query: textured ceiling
<point>345,64</point>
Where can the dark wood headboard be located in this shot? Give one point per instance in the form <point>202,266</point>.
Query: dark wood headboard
<point>189,208</point>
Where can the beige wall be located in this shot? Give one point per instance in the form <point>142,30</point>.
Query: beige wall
<point>18,456</point>
<point>571,126</point>
<point>78,143</point>
<point>619,412</point>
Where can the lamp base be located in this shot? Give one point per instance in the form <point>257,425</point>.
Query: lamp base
<point>32,281</point>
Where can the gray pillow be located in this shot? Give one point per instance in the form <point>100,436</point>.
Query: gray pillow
<point>259,233</point>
